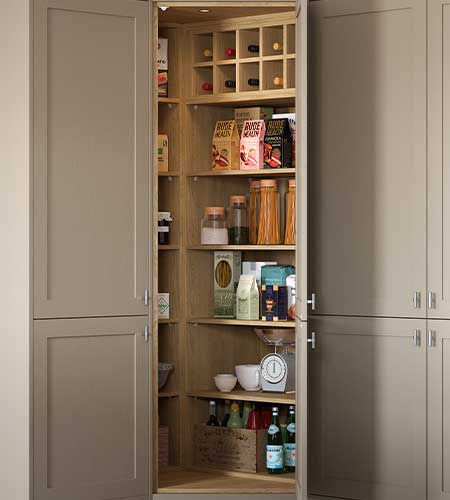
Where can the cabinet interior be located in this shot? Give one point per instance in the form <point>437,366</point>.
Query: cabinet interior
<point>198,345</point>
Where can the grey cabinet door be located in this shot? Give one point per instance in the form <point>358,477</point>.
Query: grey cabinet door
<point>439,411</point>
<point>91,157</point>
<point>91,407</point>
<point>439,158</point>
<point>367,157</point>
<point>367,400</point>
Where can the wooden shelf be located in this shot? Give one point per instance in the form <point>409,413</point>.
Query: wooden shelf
<point>277,97</point>
<point>263,172</point>
<point>169,100</point>
<point>169,321</point>
<point>169,174</point>
<point>240,322</point>
<point>179,480</point>
<point>287,248</point>
<point>163,395</point>
<point>168,247</point>
<point>255,397</point>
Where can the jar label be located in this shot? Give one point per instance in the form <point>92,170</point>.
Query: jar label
<point>291,428</point>
<point>163,229</point>
<point>274,459</point>
<point>290,455</point>
<point>273,429</point>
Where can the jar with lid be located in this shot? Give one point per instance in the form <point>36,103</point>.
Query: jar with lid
<point>269,214</point>
<point>238,221</point>
<point>289,233</point>
<point>253,211</point>
<point>214,229</point>
<point>164,220</point>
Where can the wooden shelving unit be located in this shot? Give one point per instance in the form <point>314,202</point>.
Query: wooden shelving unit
<point>279,172</point>
<point>169,100</point>
<point>168,247</point>
<point>239,322</point>
<point>262,248</point>
<point>168,394</point>
<point>255,397</point>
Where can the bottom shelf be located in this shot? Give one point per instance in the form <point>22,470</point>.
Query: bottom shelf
<point>179,480</point>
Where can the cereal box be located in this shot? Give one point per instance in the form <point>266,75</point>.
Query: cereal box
<point>252,145</point>
<point>278,144</point>
<point>163,153</point>
<point>292,123</point>
<point>225,146</point>
<point>227,270</point>
<point>163,67</point>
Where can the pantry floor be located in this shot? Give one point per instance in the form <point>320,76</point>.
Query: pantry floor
<point>179,480</point>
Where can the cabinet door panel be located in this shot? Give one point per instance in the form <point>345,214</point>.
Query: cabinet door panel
<point>367,400</point>
<point>439,157</point>
<point>91,400</point>
<point>367,156</point>
<point>91,145</point>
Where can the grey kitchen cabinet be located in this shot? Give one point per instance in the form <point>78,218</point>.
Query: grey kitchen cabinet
<point>91,157</point>
<point>367,404</point>
<point>91,409</point>
<point>367,157</point>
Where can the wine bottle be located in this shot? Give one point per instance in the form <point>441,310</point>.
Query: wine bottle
<point>230,52</point>
<point>253,48</point>
<point>212,415</point>
<point>290,456</point>
<point>253,82</point>
<point>207,53</point>
<point>226,416</point>
<point>278,81</point>
<point>230,84</point>
<point>207,86</point>
<point>274,448</point>
<point>278,46</point>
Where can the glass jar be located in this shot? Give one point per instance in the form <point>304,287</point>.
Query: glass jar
<point>289,233</point>
<point>164,220</point>
<point>253,211</point>
<point>269,214</point>
<point>237,221</point>
<point>214,229</point>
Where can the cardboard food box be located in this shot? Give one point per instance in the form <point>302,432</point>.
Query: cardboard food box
<point>252,145</point>
<point>227,270</point>
<point>241,450</point>
<point>292,124</point>
<point>257,113</point>
<point>163,153</point>
<point>163,305</point>
<point>278,144</point>
<point>225,146</point>
<point>254,268</point>
<point>274,303</point>
<point>163,446</point>
<point>163,67</point>
<point>247,298</point>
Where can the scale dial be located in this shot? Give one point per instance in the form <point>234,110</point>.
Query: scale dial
<point>273,368</point>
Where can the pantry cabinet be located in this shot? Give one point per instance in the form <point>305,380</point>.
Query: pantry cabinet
<point>91,405</point>
<point>367,387</point>
<point>91,154</point>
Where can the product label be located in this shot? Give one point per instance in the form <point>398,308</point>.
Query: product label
<point>273,429</point>
<point>291,428</point>
<point>290,455</point>
<point>274,457</point>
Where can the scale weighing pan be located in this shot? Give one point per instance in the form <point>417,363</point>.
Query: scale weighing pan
<point>278,337</point>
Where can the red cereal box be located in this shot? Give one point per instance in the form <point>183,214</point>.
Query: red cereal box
<point>252,145</point>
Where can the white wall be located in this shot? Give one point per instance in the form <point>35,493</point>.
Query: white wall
<point>14,249</point>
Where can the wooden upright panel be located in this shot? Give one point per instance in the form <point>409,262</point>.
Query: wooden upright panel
<point>368,157</point>
<point>91,148</point>
<point>91,402</point>
<point>367,400</point>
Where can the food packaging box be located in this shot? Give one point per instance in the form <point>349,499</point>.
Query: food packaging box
<point>225,146</point>
<point>163,153</point>
<point>247,298</point>
<point>163,446</point>
<point>290,283</point>
<point>276,274</point>
<point>257,113</point>
<point>163,67</point>
<point>274,303</point>
<point>163,305</point>
<point>278,144</point>
<point>227,270</point>
<point>252,145</point>
<point>241,450</point>
<point>255,269</point>
<point>292,124</point>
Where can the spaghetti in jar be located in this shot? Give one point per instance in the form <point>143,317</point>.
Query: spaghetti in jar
<point>289,233</point>
<point>253,211</point>
<point>269,216</point>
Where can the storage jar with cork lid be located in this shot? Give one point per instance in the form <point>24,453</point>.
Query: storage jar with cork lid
<point>214,230</point>
<point>269,216</point>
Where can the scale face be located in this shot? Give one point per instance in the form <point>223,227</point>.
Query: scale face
<point>278,372</point>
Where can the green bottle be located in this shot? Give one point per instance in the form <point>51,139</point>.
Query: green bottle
<point>290,452</point>
<point>274,455</point>
<point>227,414</point>
<point>235,420</point>
<point>245,413</point>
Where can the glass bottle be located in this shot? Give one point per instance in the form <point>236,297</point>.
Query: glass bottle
<point>212,415</point>
<point>269,214</point>
<point>214,227</point>
<point>290,452</point>
<point>253,211</point>
<point>235,421</point>
<point>237,221</point>
<point>245,414</point>
<point>289,233</point>
<point>227,413</point>
<point>274,456</point>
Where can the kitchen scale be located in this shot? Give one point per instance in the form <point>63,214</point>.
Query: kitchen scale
<point>277,369</point>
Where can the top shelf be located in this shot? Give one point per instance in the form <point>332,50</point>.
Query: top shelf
<point>281,98</point>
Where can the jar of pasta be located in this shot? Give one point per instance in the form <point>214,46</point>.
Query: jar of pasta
<point>289,233</point>
<point>269,214</point>
<point>253,211</point>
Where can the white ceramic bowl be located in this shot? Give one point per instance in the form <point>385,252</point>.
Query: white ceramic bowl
<point>225,382</point>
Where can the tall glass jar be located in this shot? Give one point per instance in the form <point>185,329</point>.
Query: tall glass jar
<point>253,211</point>
<point>269,215</point>
<point>214,229</point>
<point>289,233</point>
<point>238,221</point>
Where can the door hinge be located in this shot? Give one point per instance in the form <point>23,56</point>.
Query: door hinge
<point>431,341</point>
<point>146,334</point>
<point>312,301</point>
<point>312,340</point>
<point>416,300</point>
<point>416,338</point>
<point>146,297</point>
<point>431,300</point>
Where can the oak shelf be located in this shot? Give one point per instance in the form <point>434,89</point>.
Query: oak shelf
<point>255,397</point>
<point>168,247</point>
<point>168,321</point>
<point>263,172</point>
<point>287,248</point>
<point>241,322</point>
<point>169,174</point>
<point>276,97</point>
<point>169,100</point>
<point>168,394</point>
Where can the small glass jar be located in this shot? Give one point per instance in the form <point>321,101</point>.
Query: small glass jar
<point>164,220</point>
<point>238,221</point>
<point>269,214</point>
<point>214,229</point>
<point>289,207</point>
<point>253,211</point>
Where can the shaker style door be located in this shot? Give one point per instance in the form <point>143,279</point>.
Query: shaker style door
<point>91,157</point>
<point>367,405</point>
<point>91,409</point>
<point>367,157</point>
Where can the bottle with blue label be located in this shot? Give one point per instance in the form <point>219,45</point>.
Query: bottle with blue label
<point>275,455</point>
<point>290,452</point>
